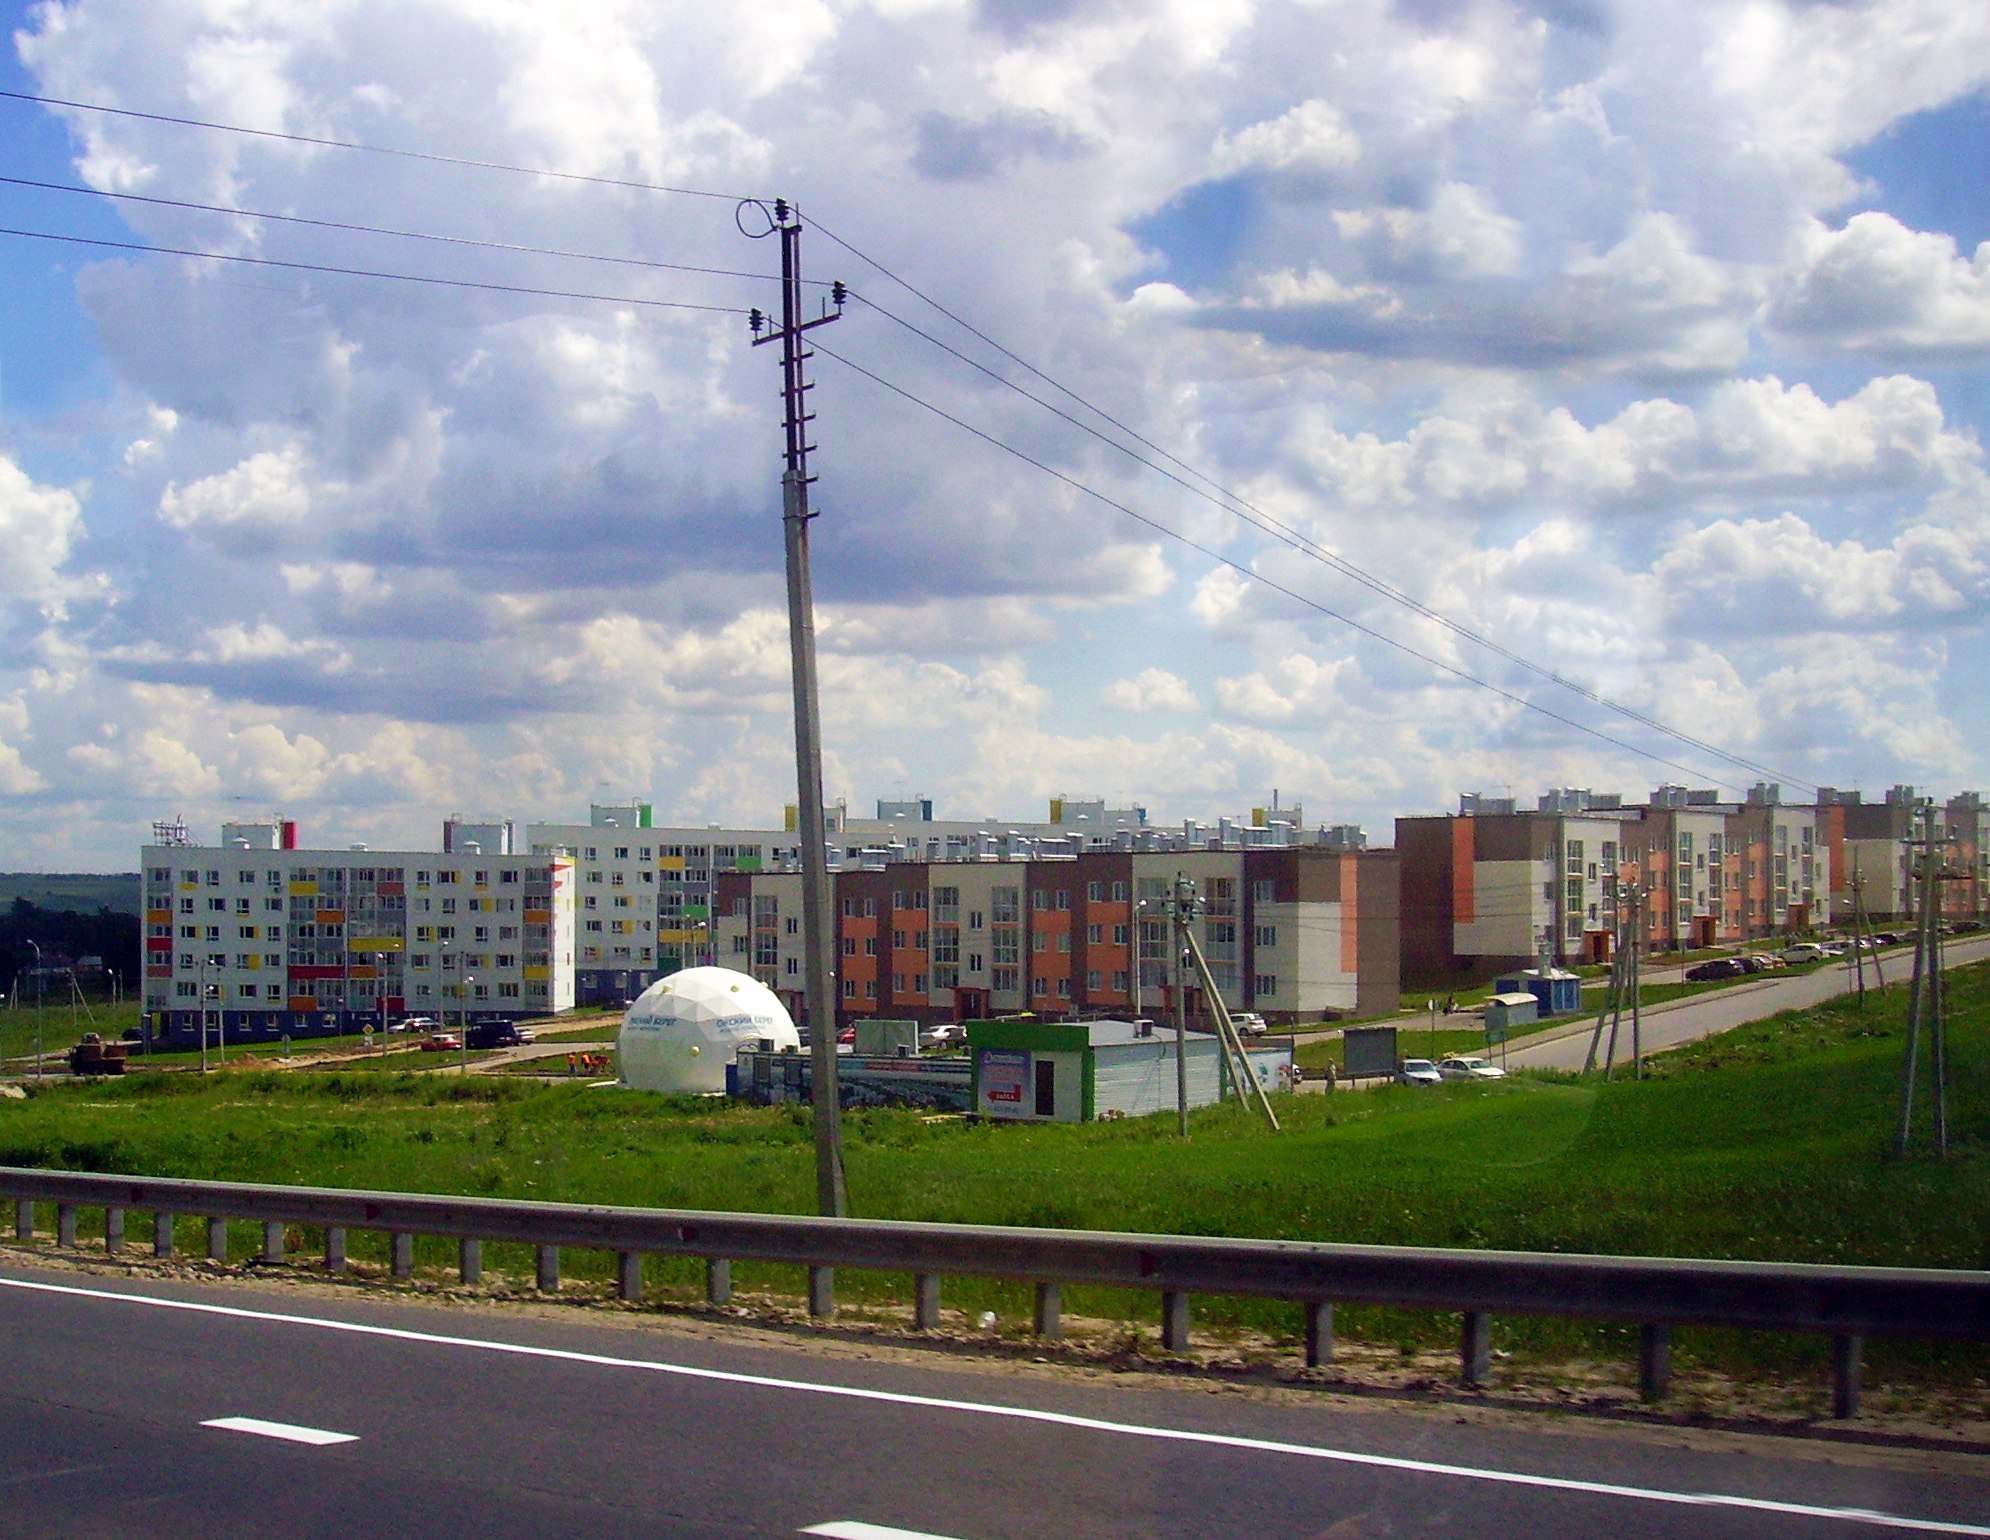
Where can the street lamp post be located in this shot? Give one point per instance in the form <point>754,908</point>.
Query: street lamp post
<point>41,1004</point>
<point>463,1021</point>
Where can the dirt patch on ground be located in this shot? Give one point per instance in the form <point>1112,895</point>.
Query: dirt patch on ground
<point>1914,1422</point>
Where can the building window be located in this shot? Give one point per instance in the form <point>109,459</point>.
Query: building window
<point>1265,935</point>
<point>1266,984</point>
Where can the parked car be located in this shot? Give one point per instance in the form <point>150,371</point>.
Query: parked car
<point>1755,962</point>
<point>1888,937</point>
<point>949,1034</point>
<point>440,1042</point>
<point>1716,968</point>
<point>1249,1023</point>
<point>1803,952</point>
<point>1463,1067</point>
<point>847,1035</point>
<point>414,1024</point>
<point>1418,1072</point>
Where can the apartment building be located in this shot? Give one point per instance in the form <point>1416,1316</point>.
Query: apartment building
<point>1493,887</point>
<point>647,893</point>
<point>1297,933</point>
<point>259,937</point>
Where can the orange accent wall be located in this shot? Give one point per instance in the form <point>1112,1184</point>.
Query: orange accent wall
<point>1350,914</point>
<point>1463,852</point>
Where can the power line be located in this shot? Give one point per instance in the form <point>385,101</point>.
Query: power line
<point>1231,503</point>
<point>410,235</point>
<point>1213,491</point>
<point>1315,605</point>
<point>365,272</point>
<point>318,142</point>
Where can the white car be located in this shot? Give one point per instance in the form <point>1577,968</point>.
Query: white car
<point>1249,1023</point>
<point>1418,1072</point>
<point>948,1035</point>
<point>1804,952</point>
<point>414,1024</point>
<point>1466,1068</point>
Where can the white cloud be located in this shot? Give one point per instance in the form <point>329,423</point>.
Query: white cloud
<point>1152,689</point>
<point>1309,137</point>
<point>1878,287</point>
<point>270,488</point>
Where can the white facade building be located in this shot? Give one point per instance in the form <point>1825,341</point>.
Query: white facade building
<point>265,939</point>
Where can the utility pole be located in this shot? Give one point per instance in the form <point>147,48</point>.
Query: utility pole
<point>1924,997</point>
<point>1181,913</point>
<point>818,922</point>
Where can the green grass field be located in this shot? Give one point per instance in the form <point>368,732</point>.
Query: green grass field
<point>1771,1142</point>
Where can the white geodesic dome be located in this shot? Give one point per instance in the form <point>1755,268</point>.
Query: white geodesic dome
<point>685,1029</point>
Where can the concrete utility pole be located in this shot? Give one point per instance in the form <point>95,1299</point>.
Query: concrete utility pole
<point>1182,913</point>
<point>1925,1005</point>
<point>818,922</point>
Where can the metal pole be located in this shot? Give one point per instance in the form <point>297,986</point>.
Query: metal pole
<point>1177,929</point>
<point>41,1003</point>
<point>463,1023</point>
<point>818,918</point>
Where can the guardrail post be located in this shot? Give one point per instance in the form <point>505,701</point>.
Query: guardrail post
<point>1475,1349</point>
<point>1654,1362</point>
<point>925,1301</point>
<point>272,1243</point>
<point>629,1276</point>
<point>1319,1332</point>
<point>1049,1310</point>
<point>718,1281</point>
<point>469,1260</point>
<point>821,1292</point>
<point>24,1219</point>
<point>217,1239</point>
<point>549,1269</point>
<point>334,1248</point>
<point>162,1235</point>
<point>1846,1353</point>
<point>1174,1322</point>
<point>65,1225</point>
<point>402,1249</point>
<point>113,1231</point>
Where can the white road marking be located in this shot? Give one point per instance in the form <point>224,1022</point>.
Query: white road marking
<point>289,1432</point>
<point>856,1529</point>
<point>1036,1415</point>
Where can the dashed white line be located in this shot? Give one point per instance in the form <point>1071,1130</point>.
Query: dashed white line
<point>289,1432</point>
<point>856,1529</point>
<point>1235,1441</point>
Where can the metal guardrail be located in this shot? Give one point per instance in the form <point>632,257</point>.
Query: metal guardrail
<point>1846,1303</point>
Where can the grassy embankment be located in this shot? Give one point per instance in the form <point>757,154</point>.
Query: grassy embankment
<point>1771,1142</point>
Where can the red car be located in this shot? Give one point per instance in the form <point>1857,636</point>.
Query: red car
<point>440,1042</point>
<point>847,1035</point>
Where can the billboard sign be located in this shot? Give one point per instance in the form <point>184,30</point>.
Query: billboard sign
<point>1369,1051</point>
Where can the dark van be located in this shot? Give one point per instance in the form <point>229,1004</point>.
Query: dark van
<point>496,1034</point>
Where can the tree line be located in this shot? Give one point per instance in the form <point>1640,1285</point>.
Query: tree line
<point>65,935</point>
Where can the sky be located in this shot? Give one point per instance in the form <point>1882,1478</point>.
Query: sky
<point>1429,396</point>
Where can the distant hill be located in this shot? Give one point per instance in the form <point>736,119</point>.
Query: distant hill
<point>78,892</point>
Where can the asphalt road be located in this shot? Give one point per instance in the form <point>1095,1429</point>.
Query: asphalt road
<point>146,1407</point>
<point>1698,1016</point>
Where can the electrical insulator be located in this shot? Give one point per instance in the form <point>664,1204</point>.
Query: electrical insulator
<point>838,293</point>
